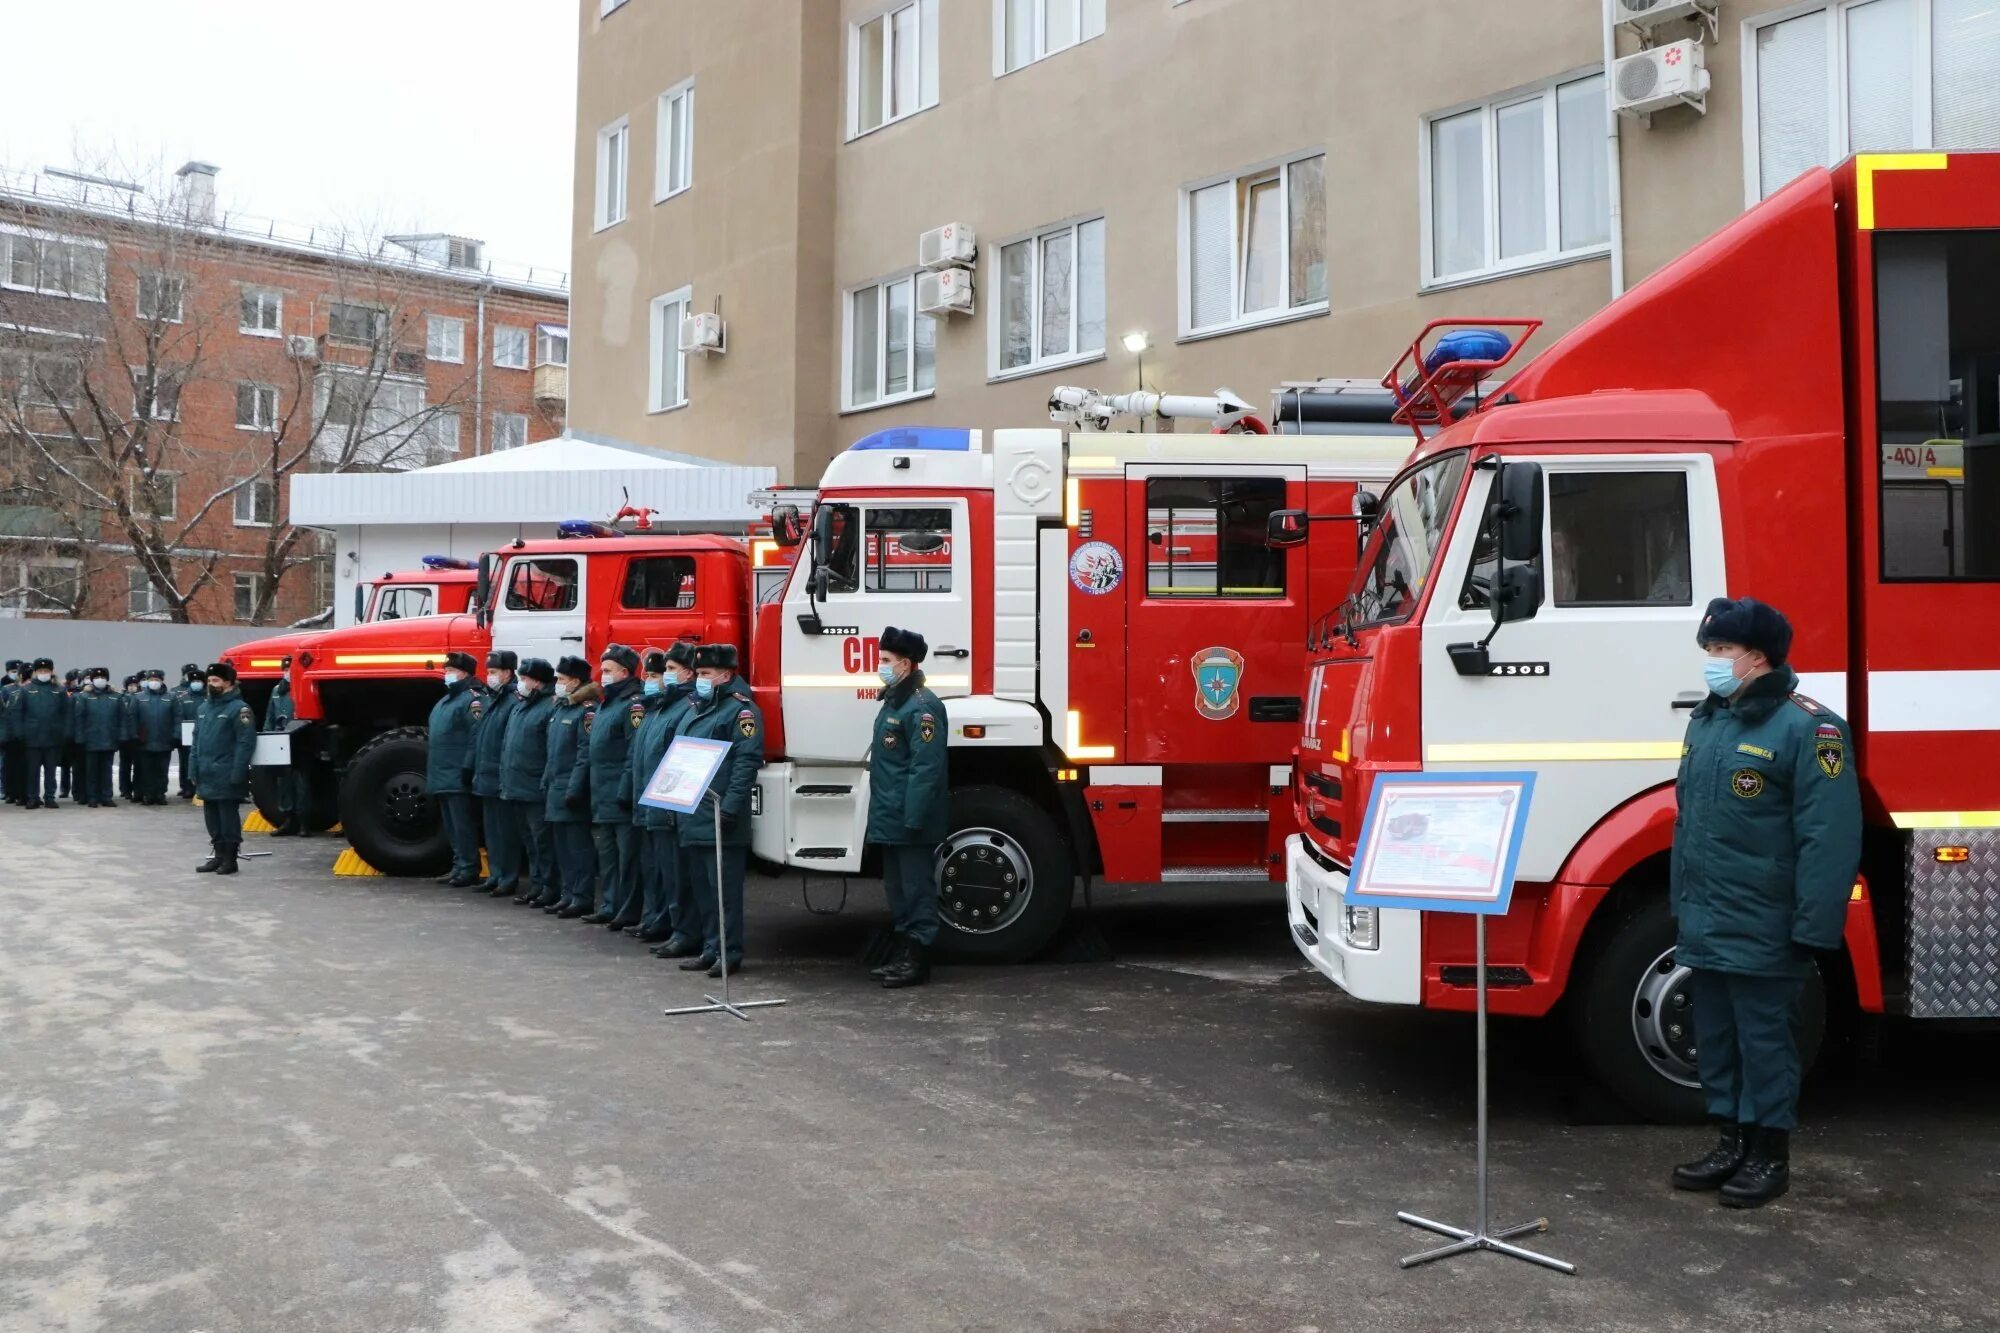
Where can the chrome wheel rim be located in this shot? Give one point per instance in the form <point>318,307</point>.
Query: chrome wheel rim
<point>1663,1020</point>
<point>984,881</point>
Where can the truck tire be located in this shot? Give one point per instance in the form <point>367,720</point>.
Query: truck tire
<point>1004,878</point>
<point>386,810</point>
<point>1633,1015</point>
<point>322,810</point>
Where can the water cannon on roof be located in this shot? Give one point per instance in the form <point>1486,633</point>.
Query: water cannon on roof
<point>1087,409</point>
<point>641,516</point>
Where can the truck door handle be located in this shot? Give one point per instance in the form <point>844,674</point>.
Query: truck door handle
<point>1686,703</point>
<point>572,638</point>
<point>954,652</point>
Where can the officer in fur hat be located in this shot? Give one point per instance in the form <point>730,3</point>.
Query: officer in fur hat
<point>448,768</point>
<point>909,803</point>
<point>225,739</point>
<point>503,833</point>
<point>1765,850</point>
<point>607,747</point>
<point>41,725</point>
<point>724,711</point>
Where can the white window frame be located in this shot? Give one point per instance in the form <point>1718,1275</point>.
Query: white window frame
<point>516,332</point>
<point>888,12</point>
<point>379,326</point>
<point>436,429</point>
<point>172,481</point>
<point>545,336</point>
<point>237,582</point>
<point>29,602</point>
<point>615,137</point>
<point>444,339</point>
<point>1040,49</point>
<point>137,584</point>
<point>252,487</point>
<point>605,8</point>
<point>665,184</point>
<point>882,398</point>
<point>1285,312</point>
<point>145,411</point>
<point>139,296</point>
<point>1490,107</point>
<point>510,418</point>
<point>996,302</point>
<point>260,295</point>
<point>659,339</point>
<point>8,234</point>
<point>265,422</point>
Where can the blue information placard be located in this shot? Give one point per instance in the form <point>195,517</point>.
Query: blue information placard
<point>1441,842</point>
<point>685,771</point>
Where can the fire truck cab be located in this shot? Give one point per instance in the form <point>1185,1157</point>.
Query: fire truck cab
<point>443,587</point>
<point>1804,408</point>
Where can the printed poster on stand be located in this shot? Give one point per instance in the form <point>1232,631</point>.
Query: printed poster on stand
<point>1441,842</point>
<point>685,772</point>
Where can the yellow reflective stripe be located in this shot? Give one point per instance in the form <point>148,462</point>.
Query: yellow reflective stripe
<point>1946,818</point>
<point>868,681</point>
<point>267,662</point>
<point>1865,167</point>
<point>1545,752</point>
<point>386,659</point>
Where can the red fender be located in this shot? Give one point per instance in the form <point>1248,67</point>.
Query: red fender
<point>1642,827</point>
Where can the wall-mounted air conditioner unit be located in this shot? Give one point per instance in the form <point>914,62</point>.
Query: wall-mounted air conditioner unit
<point>1664,76</point>
<point>942,247</point>
<point>703,333</point>
<point>1642,15</point>
<point>946,292</point>
<point>301,347</point>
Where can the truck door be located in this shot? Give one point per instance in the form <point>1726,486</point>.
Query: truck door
<point>1592,694</point>
<point>403,601</point>
<point>897,560</point>
<point>1216,660</point>
<point>660,601</point>
<point>541,611</point>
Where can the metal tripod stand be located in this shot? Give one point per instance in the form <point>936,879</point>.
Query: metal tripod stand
<point>723,1005</point>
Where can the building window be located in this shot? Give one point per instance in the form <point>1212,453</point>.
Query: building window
<point>256,407</point>
<point>46,585</point>
<point>1516,182</point>
<point>673,166</point>
<point>551,344</point>
<point>157,496</point>
<point>160,297</point>
<point>668,378</point>
<point>40,379</point>
<point>355,325</point>
<point>141,597</point>
<point>368,420</point>
<point>1205,537</point>
<point>1051,305</point>
<point>157,400</point>
<point>256,504</point>
<point>1868,75</point>
<point>1254,246</point>
<point>892,65</point>
<point>54,265</point>
<point>262,312</point>
<point>249,589</point>
<point>604,7</point>
<point>659,583</point>
<point>614,144</point>
<point>1025,31</point>
<point>510,431</point>
<point>443,430</point>
<point>444,339</point>
<point>510,347</point>
<point>891,350</point>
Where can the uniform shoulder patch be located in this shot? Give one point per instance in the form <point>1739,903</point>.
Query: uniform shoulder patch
<point>477,707</point>
<point>638,714</point>
<point>1827,731</point>
<point>746,722</point>
<point>927,728</point>
<point>244,714</point>
<point>589,716</point>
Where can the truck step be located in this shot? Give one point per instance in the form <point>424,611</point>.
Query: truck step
<point>1183,874</point>
<point>1242,815</point>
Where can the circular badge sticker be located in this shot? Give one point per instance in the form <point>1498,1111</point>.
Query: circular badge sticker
<point>1096,568</point>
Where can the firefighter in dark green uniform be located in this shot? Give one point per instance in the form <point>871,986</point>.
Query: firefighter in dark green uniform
<point>1766,844</point>
<point>601,773</point>
<point>225,739</point>
<point>724,711</point>
<point>187,699</point>
<point>97,726</point>
<point>566,808</point>
<point>669,923</point>
<point>41,725</point>
<point>156,719</point>
<point>909,803</point>
<point>279,713</point>
<point>128,749</point>
<point>650,700</point>
<point>504,848</point>
<point>13,763</point>
<point>448,767</point>
<point>524,755</point>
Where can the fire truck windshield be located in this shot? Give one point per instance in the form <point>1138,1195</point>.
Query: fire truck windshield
<point>1408,533</point>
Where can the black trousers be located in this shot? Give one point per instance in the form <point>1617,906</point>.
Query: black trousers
<point>93,782</point>
<point>153,776</point>
<point>44,769</point>
<point>225,824</point>
<point>185,754</point>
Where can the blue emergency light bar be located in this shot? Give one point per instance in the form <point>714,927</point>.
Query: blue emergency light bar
<point>446,562</point>
<point>913,439</point>
<point>572,528</point>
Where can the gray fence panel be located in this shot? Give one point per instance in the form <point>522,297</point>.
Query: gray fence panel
<point>125,646</point>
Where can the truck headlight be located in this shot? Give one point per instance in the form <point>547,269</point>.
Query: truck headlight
<point>1357,927</point>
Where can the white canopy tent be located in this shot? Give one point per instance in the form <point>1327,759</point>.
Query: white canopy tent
<point>386,521</point>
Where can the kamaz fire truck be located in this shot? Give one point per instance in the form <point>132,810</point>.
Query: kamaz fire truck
<point>1804,408</point>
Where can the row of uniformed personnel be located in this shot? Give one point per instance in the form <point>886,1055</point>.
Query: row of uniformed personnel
<point>63,738</point>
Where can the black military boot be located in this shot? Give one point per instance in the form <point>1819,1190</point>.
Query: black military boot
<point>1766,1171</point>
<point>913,970</point>
<point>899,949</point>
<point>228,865</point>
<point>213,863</point>
<point>1718,1166</point>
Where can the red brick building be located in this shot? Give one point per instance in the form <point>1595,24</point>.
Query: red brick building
<point>165,369</point>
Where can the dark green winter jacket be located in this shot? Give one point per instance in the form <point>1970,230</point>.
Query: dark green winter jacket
<point>98,719</point>
<point>42,715</point>
<point>662,716</point>
<point>607,746</point>
<point>225,739</point>
<point>454,718</point>
<point>490,742</point>
<point>569,727</point>
<point>525,753</point>
<point>155,716</point>
<point>729,715</point>
<point>1767,837</point>
<point>909,785</point>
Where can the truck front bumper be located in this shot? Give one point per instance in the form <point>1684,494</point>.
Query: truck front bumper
<point>1316,908</point>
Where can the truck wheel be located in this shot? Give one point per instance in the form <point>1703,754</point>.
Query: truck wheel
<point>1633,1011</point>
<point>1004,877</point>
<point>264,793</point>
<point>386,810</point>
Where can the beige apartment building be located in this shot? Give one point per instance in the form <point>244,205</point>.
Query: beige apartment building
<point>1255,190</point>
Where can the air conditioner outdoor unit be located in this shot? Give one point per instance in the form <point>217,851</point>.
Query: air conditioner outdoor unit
<point>947,291</point>
<point>1645,14</point>
<point>703,333</point>
<point>301,347</point>
<point>1664,76</point>
<point>942,247</point>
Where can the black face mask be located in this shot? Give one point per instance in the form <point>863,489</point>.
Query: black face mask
<point>218,690</point>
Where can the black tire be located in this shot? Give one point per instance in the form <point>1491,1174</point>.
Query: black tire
<point>1004,878</point>
<point>322,810</point>
<point>385,808</point>
<point>1627,1000</point>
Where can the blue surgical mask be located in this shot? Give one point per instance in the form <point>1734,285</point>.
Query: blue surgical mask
<point>704,688</point>
<point>887,673</point>
<point>652,684</point>
<point>1720,675</point>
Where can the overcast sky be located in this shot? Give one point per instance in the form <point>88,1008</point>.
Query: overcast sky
<point>388,115</point>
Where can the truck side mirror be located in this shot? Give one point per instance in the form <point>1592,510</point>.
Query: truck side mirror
<point>360,602</point>
<point>1518,514</point>
<point>787,528</point>
<point>482,590</point>
<point>1286,528</point>
<point>1519,595</point>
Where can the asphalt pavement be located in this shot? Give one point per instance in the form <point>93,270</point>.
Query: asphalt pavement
<point>288,1101</point>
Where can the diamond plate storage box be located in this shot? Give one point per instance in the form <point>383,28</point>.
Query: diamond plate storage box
<point>1955,925</point>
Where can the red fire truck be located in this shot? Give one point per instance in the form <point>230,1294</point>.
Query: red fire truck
<point>1804,408</point>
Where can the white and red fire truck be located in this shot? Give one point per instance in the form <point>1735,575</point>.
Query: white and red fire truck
<point>1804,408</point>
